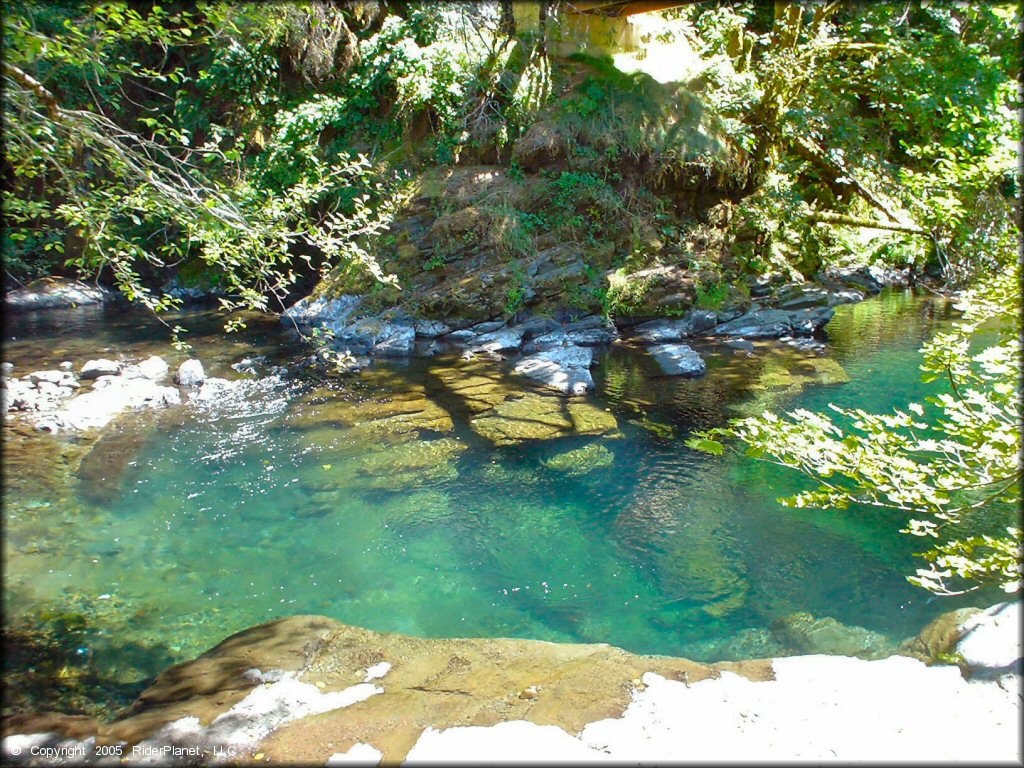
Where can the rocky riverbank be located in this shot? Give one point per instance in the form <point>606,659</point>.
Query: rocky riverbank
<point>558,349</point>
<point>309,690</point>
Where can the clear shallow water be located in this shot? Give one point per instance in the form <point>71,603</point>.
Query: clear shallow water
<point>384,501</point>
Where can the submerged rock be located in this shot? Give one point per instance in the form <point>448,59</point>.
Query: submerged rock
<point>581,461</point>
<point>565,369</point>
<point>803,633</point>
<point>411,457</point>
<point>533,416</point>
<point>678,360</point>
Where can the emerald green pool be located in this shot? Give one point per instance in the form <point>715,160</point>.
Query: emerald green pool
<point>182,528</point>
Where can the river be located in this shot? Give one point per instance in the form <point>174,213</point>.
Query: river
<point>436,497</point>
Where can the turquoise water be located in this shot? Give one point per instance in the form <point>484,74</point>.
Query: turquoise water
<point>382,501</point>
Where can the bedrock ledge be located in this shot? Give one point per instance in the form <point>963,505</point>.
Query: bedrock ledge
<point>310,690</point>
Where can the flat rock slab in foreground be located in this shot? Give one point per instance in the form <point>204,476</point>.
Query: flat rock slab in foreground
<point>311,691</point>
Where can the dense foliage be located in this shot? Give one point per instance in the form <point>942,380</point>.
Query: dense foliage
<point>247,141</point>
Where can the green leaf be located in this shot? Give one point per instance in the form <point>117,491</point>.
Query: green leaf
<point>706,445</point>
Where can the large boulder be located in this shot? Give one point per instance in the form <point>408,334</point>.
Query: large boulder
<point>502,340</point>
<point>872,278</point>
<point>430,329</point>
<point>564,369</point>
<point>678,359</point>
<point>591,331</point>
<point>56,292</point>
<point>806,296</point>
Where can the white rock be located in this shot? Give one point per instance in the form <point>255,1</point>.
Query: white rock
<point>154,367</point>
<point>991,639</point>
<point>511,742</point>
<point>359,754</point>
<point>264,709</point>
<point>50,377</point>
<point>109,397</point>
<point>678,359</point>
<point>566,369</point>
<point>190,374</point>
